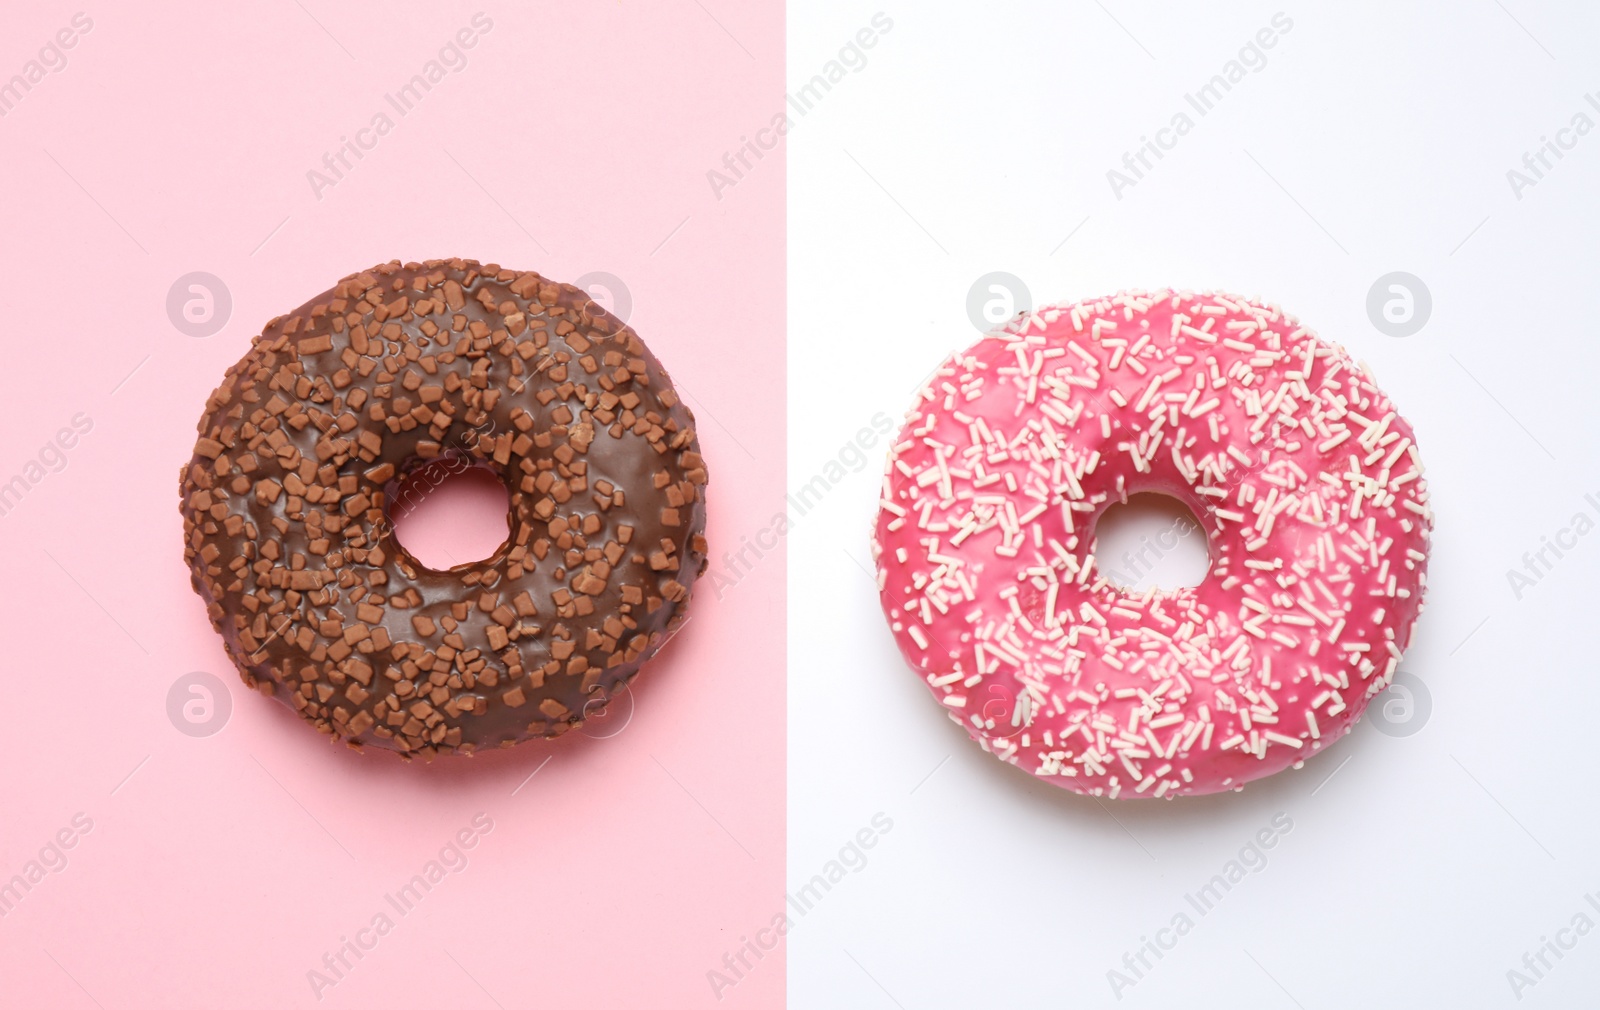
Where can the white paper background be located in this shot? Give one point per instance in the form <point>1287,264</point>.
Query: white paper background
<point>1377,138</point>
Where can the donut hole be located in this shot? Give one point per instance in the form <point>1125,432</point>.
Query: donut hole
<point>449,512</point>
<point>1153,541</point>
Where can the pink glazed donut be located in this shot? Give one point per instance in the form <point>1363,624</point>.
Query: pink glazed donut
<point>1306,480</point>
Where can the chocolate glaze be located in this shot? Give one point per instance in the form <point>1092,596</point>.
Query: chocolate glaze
<point>305,445</point>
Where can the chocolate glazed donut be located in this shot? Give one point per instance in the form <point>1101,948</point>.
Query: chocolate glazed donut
<point>308,438</point>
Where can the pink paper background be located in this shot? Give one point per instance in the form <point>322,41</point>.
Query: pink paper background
<point>219,870</point>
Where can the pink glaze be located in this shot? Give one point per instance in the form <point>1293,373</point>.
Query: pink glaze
<point>1306,480</point>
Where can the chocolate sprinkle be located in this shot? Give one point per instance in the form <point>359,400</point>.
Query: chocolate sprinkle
<point>309,438</point>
